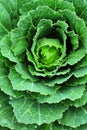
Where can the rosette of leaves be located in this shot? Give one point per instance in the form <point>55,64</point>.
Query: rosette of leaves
<point>43,65</point>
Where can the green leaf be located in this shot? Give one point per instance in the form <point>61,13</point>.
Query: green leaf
<point>49,74</point>
<point>3,31</point>
<point>7,118</point>
<point>80,72</point>
<point>76,56</point>
<point>29,111</point>
<point>57,80</point>
<point>62,72</point>
<point>43,28</point>
<point>76,117</point>
<point>81,8</point>
<point>5,46</point>
<point>77,24</point>
<point>5,84</point>
<point>82,101</point>
<point>12,7</point>
<point>82,127</point>
<point>5,19</point>
<point>77,81</point>
<point>19,43</point>
<point>25,21</point>
<point>82,63</point>
<point>64,93</point>
<point>16,4</point>
<point>44,12</point>
<point>52,126</point>
<point>74,39</point>
<point>31,59</point>
<point>62,24</point>
<point>21,84</point>
<point>22,69</point>
<point>55,5</point>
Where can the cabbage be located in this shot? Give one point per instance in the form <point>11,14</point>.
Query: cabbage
<point>43,65</point>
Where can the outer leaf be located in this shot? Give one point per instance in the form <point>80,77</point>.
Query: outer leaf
<point>82,63</point>
<point>76,117</point>
<point>80,72</point>
<point>5,46</point>
<point>25,21</point>
<point>81,8</point>
<point>44,12</point>
<point>19,43</point>
<point>58,80</point>
<point>76,81</point>
<point>5,84</point>
<point>82,127</point>
<point>16,4</point>
<point>77,24</point>
<point>7,118</point>
<point>21,84</point>
<point>5,21</point>
<point>56,5</point>
<point>62,72</point>
<point>65,93</point>
<point>12,8</point>
<point>72,18</point>
<point>22,69</point>
<point>49,74</point>
<point>29,111</point>
<point>82,101</point>
<point>76,56</point>
<point>3,31</point>
<point>56,126</point>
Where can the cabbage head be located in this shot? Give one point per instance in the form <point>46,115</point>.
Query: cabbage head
<point>43,64</point>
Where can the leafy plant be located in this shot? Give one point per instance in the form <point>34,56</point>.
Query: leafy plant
<point>43,65</point>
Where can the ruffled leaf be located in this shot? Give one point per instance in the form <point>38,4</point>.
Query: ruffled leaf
<point>19,43</point>
<point>5,46</point>
<point>80,72</point>
<point>5,84</point>
<point>58,80</point>
<point>76,56</point>
<point>65,93</point>
<point>21,84</point>
<point>29,111</point>
<point>82,101</point>
<point>56,5</point>
<point>76,117</point>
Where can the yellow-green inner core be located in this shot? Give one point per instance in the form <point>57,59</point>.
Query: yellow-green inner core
<point>48,54</point>
<point>48,50</point>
